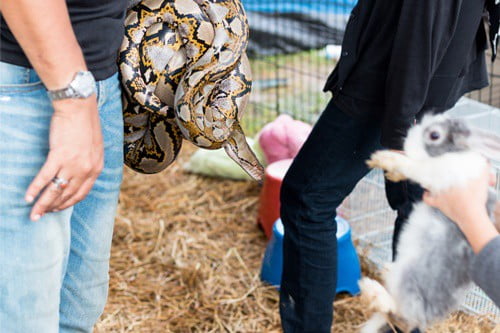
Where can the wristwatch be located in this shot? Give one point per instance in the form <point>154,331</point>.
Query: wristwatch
<point>82,86</point>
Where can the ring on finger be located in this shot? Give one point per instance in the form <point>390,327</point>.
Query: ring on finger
<point>60,182</point>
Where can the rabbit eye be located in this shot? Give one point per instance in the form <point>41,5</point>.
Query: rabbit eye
<point>434,135</point>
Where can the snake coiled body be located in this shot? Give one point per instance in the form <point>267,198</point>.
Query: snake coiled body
<point>185,76</point>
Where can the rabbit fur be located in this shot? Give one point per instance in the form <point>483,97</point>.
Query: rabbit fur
<point>431,273</point>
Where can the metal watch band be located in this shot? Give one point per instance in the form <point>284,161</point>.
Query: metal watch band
<point>82,86</point>
<point>55,95</point>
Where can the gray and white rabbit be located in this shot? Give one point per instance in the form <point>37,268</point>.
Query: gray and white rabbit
<point>431,274</point>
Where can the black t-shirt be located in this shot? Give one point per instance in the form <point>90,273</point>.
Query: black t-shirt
<point>403,58</point>
<point>98,26</point>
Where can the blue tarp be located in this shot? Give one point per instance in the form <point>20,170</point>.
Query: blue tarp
<point>307,6</point>
<point>290,26</point>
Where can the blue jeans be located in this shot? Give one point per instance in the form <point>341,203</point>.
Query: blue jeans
<point>53,273</point>
<point>326,170</point>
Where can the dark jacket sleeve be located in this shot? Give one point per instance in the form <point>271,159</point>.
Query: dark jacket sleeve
<point>423,34</point>
<point>486,270</point>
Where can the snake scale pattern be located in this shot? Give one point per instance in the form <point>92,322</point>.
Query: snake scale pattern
<point>185,75</point>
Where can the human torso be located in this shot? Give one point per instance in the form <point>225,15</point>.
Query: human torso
<point>358,81</point>
<point>98,26</point>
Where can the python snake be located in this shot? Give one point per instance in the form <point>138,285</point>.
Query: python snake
<point>185,75</point>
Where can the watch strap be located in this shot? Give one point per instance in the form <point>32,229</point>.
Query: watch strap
<point>82,86</point>
<point>65,93</point>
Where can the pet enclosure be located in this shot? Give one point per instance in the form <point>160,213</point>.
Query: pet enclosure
<point>293,47</point>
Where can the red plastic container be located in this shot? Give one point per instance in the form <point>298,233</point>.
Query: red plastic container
<point>269,210</point>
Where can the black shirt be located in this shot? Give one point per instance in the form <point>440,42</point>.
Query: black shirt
<point>401,58</point>
<point>98,26</point>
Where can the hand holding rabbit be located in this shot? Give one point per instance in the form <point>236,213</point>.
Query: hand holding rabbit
<point>429,278</point>
<point>459,202</point>
<point>466,206</point>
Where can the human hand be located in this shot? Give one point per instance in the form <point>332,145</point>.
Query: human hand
<point>76,155</point>
<point>462,203</point>
<point>466,205</point>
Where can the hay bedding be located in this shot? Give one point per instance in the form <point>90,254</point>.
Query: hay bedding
<point>186,258</point>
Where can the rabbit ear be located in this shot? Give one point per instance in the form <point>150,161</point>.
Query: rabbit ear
<point>485,143</point>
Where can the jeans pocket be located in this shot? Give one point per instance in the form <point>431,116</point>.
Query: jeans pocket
<point>19,88</point>
<point>17,79</point>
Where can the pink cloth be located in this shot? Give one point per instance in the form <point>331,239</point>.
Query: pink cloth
<point>282,138</point>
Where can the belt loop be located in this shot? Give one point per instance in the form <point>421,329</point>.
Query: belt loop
<point>100,93</point>
<point>26,76</point>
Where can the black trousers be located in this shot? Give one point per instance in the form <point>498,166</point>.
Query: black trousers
<point>326,170</point>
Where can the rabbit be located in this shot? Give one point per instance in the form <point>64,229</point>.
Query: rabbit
<point>430,275</point>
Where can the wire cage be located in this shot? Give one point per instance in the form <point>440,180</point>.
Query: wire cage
<point>294,45</point>
<point>292,51</point>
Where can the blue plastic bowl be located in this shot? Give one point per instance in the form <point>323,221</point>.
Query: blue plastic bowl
<point>348,267</point>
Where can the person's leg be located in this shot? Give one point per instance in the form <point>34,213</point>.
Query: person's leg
<point>32,254</point>
<point>85,287</point>
<point>401,197</point>
<point>324,172</point>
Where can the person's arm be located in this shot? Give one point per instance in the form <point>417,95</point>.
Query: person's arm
<point>422,37</point>
<point>466,206</point>
<point>486,269</point>
<point>44,31</point>
<point>478,228</point>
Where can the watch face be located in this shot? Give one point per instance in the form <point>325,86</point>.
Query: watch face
<point>83,84</point>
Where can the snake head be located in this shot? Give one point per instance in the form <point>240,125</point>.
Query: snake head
<point>238,149</point>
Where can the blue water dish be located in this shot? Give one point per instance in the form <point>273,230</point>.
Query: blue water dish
<point>348,267</point>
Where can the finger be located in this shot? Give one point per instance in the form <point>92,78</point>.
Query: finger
<point>427,193</point>
<point>42,179</point>
<point>75,193</point>
<point>67,190</point>
<point>48,196</point>
<point>52,193</point>
<point>72,189</point>
<point>65,195</point>
<point>493,179</point>
<point>429,199</point>
<point>79,195</point>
